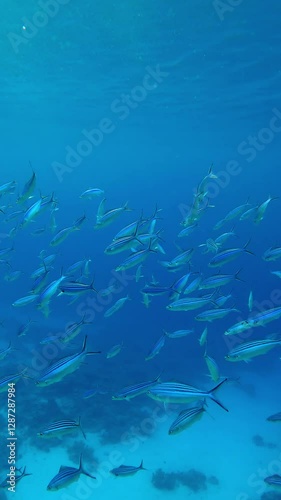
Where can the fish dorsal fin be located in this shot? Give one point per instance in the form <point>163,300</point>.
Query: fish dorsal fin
<point>63,467</point>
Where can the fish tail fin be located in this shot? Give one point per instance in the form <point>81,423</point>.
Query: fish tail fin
<point>84,346</point>
<point>80,460</point>
<point>236,275</point>
<point>93,288</point>
<point>211,173</point>
<point>149,246</point>
<point>84,435</point>
<point>158,378</point>
<point>127,208</point>
<point>84,322</point>
<point>158,233</point>
<point>211,395</point>
<point>82,470</point>
<point>245,247</point>
<point>24,473</point>
<point>218,402</point>
<point>23,373</point>
<point>206,345</point>
<point>217,386</point>
<point>155,213</point>
<point>141,466</point>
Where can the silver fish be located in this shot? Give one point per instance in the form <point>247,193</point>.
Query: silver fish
<point>127,470</point>
<point>92,193</point>
<point>120,303</point>
<point>186,418</point>
<point>114,351</point>
<point>177,334</point>
<point>135,390</point>
<point>67,475</point>
<point>188,304</point>
<point>248,350</point>
<point>64,366</point>
<point>61,427</point>
<point>156,348</point>
<point>213,314</point>
<point>172,392</point>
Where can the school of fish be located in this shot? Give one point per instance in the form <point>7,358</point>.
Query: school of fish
<point>200,297</point>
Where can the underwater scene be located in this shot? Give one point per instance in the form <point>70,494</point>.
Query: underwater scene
<point>140,250</point>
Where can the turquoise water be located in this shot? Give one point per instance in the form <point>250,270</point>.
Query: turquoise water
<point>139,99</point>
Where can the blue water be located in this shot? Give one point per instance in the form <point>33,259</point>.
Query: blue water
<point>166,89</point>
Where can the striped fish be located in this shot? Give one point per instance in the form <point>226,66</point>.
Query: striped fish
<point>122,244</point>
<point>114,350</point>
<point>127,470</point>
<point>203,337</point>
<point>157,347</point>
<point>172,392</point>
<point>249,350</point>
<point>75,288</point>
<point>187,230</point>
<point>116,306</point>
<point>136,258</point>
<point>135,390</point>
<point>240,327</point>
<point>18,477</point>
<point>108,217</point>
<point>249,213</point>
<point>272,253</point>
<point>67,475</point>
<point>274,480</point>
<point>73,330</point>
<point>61,427</point>
<point>28,188</point>
<point>156,290</point>
<point>265,317</point>
<point>178,334</point>
<point>228,255</point>
<point>250,301</point>
<point>222,299</point>
<point>93,392</point>
<point>59,369</point>
<point>193,286</point>
<point>274,418</point>
<point>8,187</point>
<point>188,304</point>
<point>220,240</point>
<point>62,235</point>
<point>24,301</point>
<point>92,193</point>
<point>6,351</point>
<point>219,280</point>
<point>10,379</point>
<point>213,314</point>
<point>186,418</point>
<point>212,367</point>
<point>130,229</point>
